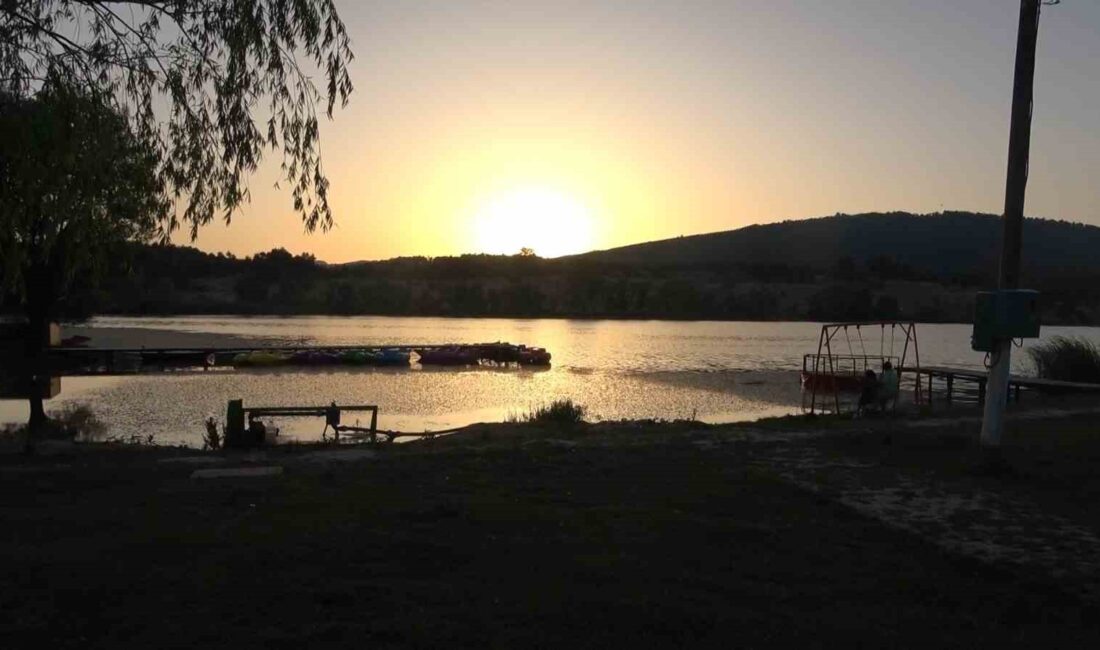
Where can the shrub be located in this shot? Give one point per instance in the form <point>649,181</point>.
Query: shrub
<point>211,438</point>
<point>560,412</point>
<point>78,422</point>
<point>1067,359</point>
<point>133,440</point>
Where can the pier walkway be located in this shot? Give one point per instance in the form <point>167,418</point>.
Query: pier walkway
<point>975,381</point>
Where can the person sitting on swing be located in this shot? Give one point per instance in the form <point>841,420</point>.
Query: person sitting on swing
<point>888,385</point>
<point>868,391</point>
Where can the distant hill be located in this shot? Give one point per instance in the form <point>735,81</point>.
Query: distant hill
<point>943,244</point>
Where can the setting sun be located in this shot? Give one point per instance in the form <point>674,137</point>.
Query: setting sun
<point>548,221</point>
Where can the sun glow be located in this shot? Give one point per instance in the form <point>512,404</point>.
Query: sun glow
<point>550,222</point>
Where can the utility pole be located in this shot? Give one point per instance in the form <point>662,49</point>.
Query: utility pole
<point>1019,146</point>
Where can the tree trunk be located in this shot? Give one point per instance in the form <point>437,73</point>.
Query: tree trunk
<point>38,420</point>
<point>37,339</point>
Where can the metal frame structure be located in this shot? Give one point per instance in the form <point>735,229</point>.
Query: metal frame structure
<point>825,354</point>
<point>236,414</point>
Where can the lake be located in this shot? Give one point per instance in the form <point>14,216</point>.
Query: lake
<point>713,371</point>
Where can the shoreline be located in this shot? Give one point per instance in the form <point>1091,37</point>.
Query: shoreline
<point>955,419</point>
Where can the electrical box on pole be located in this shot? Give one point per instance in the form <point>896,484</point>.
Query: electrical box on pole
<point>1019,149</point>
<point>1004,314</point>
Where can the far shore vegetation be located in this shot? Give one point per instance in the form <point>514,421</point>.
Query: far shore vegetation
<point>874,267</point>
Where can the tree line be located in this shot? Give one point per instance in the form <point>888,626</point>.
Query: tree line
<point>167,279</point>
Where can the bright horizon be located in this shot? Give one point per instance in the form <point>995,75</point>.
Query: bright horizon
<point>570,126</point>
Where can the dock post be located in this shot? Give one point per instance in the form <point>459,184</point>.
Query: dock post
<point>981,392</point>
<point>930,389</point>
<point>234,423</point>
<point>950,386</point>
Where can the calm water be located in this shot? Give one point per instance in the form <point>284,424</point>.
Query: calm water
<point>716,371</point>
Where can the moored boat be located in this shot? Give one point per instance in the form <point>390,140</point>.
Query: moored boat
<point>533,357</point>
<point>358,357</point>
<point>499,352</point>
<point>314,358</point>
<point>260,358</point>
<point>452,356</point>
<point>392,357</point>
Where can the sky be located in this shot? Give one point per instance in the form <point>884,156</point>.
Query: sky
<point>566,126</point>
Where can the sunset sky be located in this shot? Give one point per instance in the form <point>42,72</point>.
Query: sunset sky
<point>571,125</point>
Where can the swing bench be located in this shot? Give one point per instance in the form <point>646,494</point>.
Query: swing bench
<point>830,372</point>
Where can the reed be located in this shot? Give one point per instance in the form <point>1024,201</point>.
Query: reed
<point>1067,358</point>
<point>560,412</point>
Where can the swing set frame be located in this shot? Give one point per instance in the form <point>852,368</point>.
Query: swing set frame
<point>830,372</point>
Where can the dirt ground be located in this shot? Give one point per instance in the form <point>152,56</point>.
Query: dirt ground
<point>631,535</point>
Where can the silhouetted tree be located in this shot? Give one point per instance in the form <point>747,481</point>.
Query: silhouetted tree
<point>840,302</point>
<point>845,268</point>
<point>343,299</point>
<point>185,78</point>
<point>524,299</point>
<point>73,181</point>
<point>886,308</point>
<point>190,75</point>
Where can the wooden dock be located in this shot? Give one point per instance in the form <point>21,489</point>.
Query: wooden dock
<point>81,361</point>
<point>976,379</point>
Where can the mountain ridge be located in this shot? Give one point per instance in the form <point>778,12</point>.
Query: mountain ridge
<point>943,242</point>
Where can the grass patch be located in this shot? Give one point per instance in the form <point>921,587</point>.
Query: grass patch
<point>1067,358</point>
<point>561,412</point>
<point>641,547</point>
